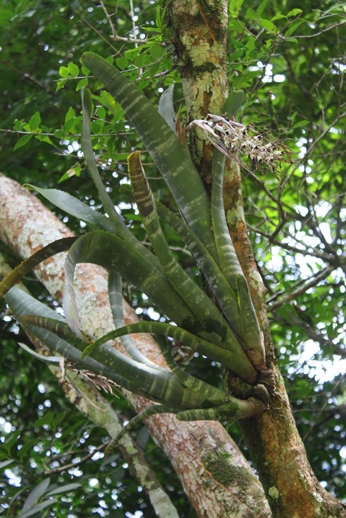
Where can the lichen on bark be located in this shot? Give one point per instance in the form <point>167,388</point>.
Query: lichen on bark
<point>199,35</point>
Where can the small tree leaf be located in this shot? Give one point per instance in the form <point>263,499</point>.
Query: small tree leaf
<point>36,494</point>
<point>35,121</point>
<point>294,12</point>
<point>22,141</point>
<point>37,508</point>
<point>64,489</point>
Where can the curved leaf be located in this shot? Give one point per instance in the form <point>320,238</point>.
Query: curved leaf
<point>93,218</point>
<point>76,208</point>
<point>116,303</point>
<point>154,383</point>
<point>210,392</point>
<point>233,410</point>
<point>228,259</point>
<point>224,293</point>
<point>251,333</point>
<point>36,493</point>
<point>22,304</point>
<point>87,148</point>
<point>60,245</point>
<point>214,326</point>
<point>236,360</point>
<point>111,252</point>
<point>37,508</point>
<point>164,147</point>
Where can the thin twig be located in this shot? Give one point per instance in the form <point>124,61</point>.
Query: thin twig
<point>66,467</point>
<point>322,410</point>
<point>108,16</point>
<point>291,248</point>
<point>321,275</point>
<point>321,32</point>
<point>100,35</point>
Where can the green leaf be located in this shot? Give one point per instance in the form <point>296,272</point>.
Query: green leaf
<point>293,27</point>
<point>18,125</point>
<point>230,358</point>
<point>36,494</point>
<point>250,13</point>
<point>301,124</point>
<point>234,7</point>
<point>261,7</point>
<point>70,114</point>
<point>64,489</point>
<point>22,141</point>
<point>154,382</point>
<point>159,16</point>
<point>116,303</point>
<point>156,51</point>
<point>101,112</point>
<point>46,419</point>
<point>142,60</point>
<point>224,294</point>
<point>26,266</point>
<point>46,139</point>
<point>250,332</point>
<point>213,324</point>
<point>165,148</point>
<point>108,101</point>
<point>73,69</point>
<point>37,508</point>
<point>107,203</point>
<point>35,121</point>
<point>122,63</point>
<point>111,251</point>
<point>278,17</point>
<point>70,125</point>
<point>294,12</point>
<point>63,71</point>
<point>81,84</point>
<point>268,25</point>
<point>60,84</point>
<point>228,260</point>
<point>5,17</point>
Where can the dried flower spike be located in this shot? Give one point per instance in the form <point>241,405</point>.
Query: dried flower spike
<point>232,138</point>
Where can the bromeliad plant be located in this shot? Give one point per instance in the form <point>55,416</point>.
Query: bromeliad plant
<point>222,326</point>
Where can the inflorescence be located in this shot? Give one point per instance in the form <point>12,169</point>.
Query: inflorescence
<point>232,138</point>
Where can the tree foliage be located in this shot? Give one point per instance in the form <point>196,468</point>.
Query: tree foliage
<point>290,63</point>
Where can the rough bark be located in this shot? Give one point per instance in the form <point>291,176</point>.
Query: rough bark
<point>216,478</point>
<point>199,34</point>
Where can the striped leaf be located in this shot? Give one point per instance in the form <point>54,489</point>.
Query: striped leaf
<point>154,383</point>
<point>116,303</point>
<point>236,361</point>
<point>60,245</point>
<point>214,326</point>
<point>163,145</point>
<point>111,252</point>
<point>228,260</point>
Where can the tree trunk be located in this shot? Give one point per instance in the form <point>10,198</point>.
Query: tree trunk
<point>216,477</point>
<point>200,40</point>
